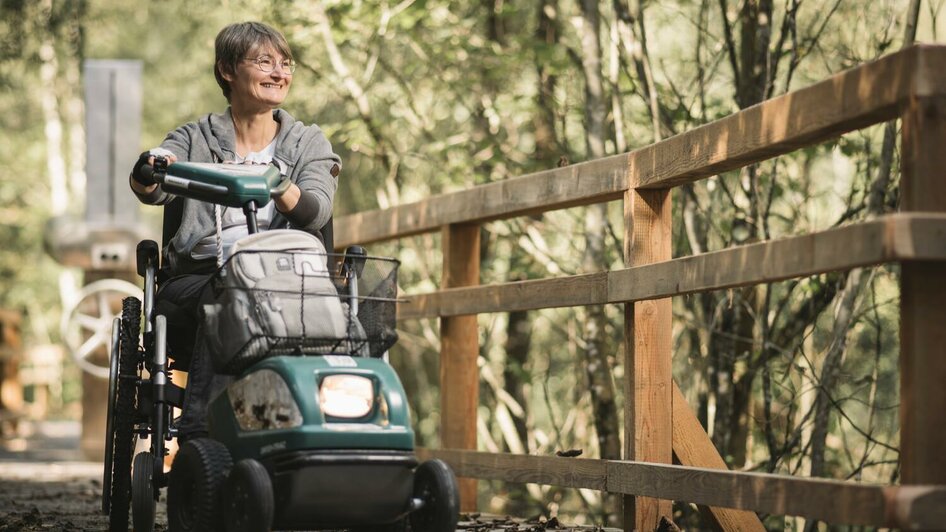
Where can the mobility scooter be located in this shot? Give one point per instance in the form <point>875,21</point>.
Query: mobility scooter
<point>313,431</point>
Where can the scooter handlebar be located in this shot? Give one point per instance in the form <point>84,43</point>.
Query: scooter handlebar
<point>158,173</point>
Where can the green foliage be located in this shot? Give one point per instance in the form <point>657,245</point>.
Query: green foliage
<point>28,277</point>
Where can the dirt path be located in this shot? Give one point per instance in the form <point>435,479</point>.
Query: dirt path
<point>45,485</point>
<point>46,496</point>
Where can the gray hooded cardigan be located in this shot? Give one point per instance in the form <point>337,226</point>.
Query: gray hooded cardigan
<point>302,152</point>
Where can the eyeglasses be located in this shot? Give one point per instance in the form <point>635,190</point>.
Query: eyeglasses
<point>267,64</point>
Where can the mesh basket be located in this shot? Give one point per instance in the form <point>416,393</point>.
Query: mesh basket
<point>377,303</point>
<point>269,303</point>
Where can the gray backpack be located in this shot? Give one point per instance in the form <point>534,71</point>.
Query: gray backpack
<point>275,295</point>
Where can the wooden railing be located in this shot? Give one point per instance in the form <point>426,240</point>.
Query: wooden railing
<point>659,425</point>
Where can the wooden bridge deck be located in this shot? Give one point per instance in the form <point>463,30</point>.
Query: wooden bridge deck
<point>495,523</point>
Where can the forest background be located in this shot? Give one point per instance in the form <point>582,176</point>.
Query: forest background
<point>421,97</point>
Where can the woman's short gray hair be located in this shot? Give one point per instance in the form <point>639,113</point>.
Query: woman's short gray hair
<point>236,40</point>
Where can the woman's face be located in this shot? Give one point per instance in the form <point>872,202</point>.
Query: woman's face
<point>251,88</point>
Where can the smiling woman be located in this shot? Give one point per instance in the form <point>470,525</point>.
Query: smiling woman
<point>253,66</point>
<point>265,86</point>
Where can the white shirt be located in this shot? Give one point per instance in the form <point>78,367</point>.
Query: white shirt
<point>233,220</point>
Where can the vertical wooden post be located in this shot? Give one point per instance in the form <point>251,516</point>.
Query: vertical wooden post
<point>113,96</point>
<point>923,301</point>
<point>11,388</point>
<point>459,349</point>
<point>648,388</point>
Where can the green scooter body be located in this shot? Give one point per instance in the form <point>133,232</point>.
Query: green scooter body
<point>326,472</point>
<point>387,426</point>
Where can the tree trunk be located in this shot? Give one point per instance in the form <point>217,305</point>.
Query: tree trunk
<point>547,147</point>
<point>633,39</point>
<point>755,35</point>
<point>597,365</point>
<point>849,295</point>
<point>48,72</point>
<point>734,353</point>
<point>519,325</point>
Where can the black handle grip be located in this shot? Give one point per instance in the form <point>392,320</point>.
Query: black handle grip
<point>155,172</point>
<point>355,258</point>
<point>147,170</point>
<point>147,255</point>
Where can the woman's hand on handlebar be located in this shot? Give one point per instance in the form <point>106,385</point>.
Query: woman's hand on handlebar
<point>281,188</point>
<point>285,195</point>
<point>142,175</point>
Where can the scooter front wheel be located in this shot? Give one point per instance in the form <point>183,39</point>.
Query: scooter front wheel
<point>248,498</point>
<point>199,469</point>
<point>143,495</point>
<point>435,484</point>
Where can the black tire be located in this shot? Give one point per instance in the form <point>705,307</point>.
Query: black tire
<point>198,472</point>
<point>248,498</point>
<point>123,424</point>
<point>110,416</point>
<point>144,498</point>
<point>436,485</point>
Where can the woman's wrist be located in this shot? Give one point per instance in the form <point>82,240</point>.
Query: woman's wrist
<point>139,188</point>
<point>304,207</point>
<point>288,200</point>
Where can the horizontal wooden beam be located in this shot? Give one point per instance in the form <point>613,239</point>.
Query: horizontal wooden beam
<point>579,184</point>
<point>548,470</point>
<point>891,238</point>
<point>832,501</point>
<point>572,291</point>
<point>912,507</point>
<point>868,94</point>
<point>856,98</point>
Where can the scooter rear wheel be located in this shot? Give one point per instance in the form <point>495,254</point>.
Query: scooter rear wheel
<point>248,498</point>
<point>436,485</point>
<point>110,415</point>
<point>122,436</point>
<point>143,495</point>
<point>199,469</point>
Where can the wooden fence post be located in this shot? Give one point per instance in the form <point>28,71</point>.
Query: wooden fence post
<point>923,301</point>
<point>11,387</point>
<point>648,383</point>
<point>459,349</point>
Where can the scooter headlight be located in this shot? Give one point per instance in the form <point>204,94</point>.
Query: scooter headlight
<point>262,400</point>
<point>346,396</point>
